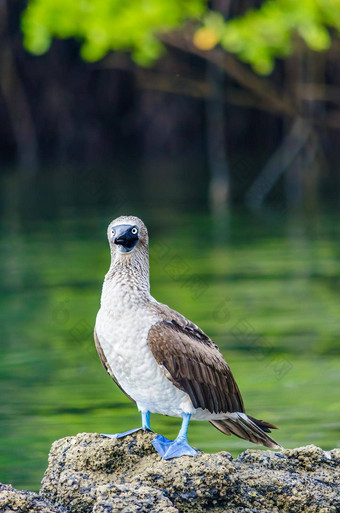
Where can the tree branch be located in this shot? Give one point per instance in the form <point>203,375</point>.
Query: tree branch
<point>165,82</point>
<point>261,87</point>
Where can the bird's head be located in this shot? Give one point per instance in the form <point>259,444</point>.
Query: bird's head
<point>126,234</point>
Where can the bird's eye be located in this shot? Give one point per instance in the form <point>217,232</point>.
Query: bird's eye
<point>113,231</point>
<point>134,231</point>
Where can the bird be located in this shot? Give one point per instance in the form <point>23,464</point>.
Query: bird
<point>162,361</point>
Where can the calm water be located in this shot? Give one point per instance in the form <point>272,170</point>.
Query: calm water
<point>266,289</point>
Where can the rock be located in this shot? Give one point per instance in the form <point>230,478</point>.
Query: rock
<point>22,501</point>
<point>89,473</point>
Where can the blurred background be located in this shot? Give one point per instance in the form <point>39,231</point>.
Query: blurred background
<point>217,123</point>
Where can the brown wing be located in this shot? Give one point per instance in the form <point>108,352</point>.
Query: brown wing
<point>105,363</point>
<point>194,364</point>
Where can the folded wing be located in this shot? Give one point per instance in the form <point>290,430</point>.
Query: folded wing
<point>195,365</point>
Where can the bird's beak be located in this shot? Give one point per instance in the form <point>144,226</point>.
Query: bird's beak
<point>124,238</point>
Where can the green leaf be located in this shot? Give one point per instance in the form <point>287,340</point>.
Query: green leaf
<point>316,37</point>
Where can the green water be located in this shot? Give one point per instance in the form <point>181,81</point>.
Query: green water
<point>265,288</point>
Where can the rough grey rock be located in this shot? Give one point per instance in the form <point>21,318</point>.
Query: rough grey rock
<point>22,501</point>
<point>89,473</point>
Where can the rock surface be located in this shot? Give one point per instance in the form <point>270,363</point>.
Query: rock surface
<point>23,501</point>
<point>89,473</point>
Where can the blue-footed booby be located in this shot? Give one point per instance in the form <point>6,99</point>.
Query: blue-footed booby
<point>159,359</point>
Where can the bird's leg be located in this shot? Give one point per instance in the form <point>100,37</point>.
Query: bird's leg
<point>145,427</point>
<point>175,448</point>
<point>146,421</point>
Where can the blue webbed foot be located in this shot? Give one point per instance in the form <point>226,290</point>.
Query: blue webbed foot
<point>145,427</point>
<point>161,444</point>
<point>173,448</point>
<point>125,433</point>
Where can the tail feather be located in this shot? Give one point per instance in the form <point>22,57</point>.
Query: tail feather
<point>248,428</point>
<point>265,426</point>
